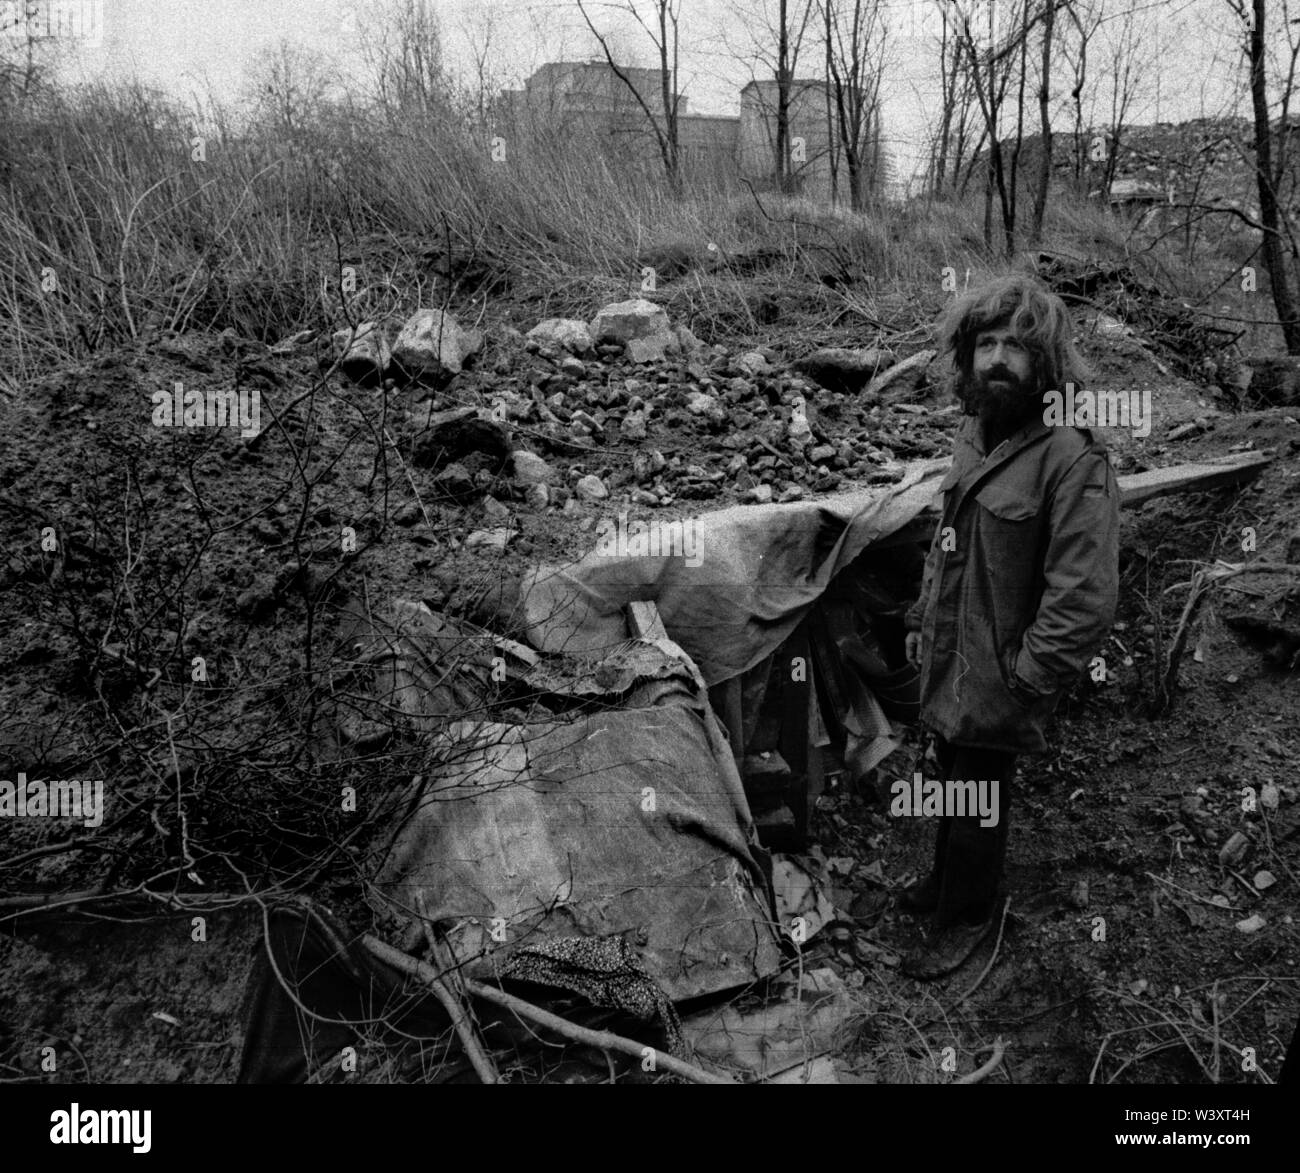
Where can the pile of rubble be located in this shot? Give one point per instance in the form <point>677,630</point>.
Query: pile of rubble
<point>668,418</point>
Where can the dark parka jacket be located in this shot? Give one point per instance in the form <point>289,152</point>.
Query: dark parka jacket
<point>1020,585</point>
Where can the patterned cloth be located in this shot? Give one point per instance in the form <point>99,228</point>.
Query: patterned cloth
<point>605,971</point>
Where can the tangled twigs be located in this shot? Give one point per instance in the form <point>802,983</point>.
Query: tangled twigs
<point>600,1039</point>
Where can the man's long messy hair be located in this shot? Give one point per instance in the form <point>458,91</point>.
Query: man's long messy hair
<point>1038,317</point>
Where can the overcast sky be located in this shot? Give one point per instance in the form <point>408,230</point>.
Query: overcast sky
<point>1192,62</point>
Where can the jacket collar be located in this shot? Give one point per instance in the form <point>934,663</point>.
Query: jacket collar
<point>973,435</point>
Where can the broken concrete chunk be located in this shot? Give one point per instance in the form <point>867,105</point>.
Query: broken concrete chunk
<point>566,333</point>
<point>622,321</point>
<point>640,326</point>
<point>433,344</point>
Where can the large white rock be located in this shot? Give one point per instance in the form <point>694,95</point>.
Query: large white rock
<point>641,326</point>
<point>622,321</point>
<point>566,333</point>
<point>433,343</point>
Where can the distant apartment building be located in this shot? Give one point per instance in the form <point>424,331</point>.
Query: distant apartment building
<point>591,100</point>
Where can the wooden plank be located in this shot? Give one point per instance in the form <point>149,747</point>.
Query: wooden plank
<point>1194,477</point>
<point>1135,489</point>
<point>644,621</point>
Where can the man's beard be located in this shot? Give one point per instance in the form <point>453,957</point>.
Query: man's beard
<point>1002,401</point>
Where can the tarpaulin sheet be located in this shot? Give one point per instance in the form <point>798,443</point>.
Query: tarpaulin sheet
<point>630,820</point>
<point>759,570</point>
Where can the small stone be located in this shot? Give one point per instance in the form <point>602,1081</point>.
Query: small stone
<point>454,481</point>
<point>495,510</point>
<point>1234,850</point>
<point>531,469</point>
<point>573,367</point>
<point>633,426</point>
<point>489,539</point>
<point>1264,879</point>
<point>583,420</point>
<point>644,497</point>
<point>752,363</point>
<point>1252,924</point>
<point>591,488</point>
<point>822,454</point>
<point>688,342</point>
<point>538,495</point>
<point>760,494</point>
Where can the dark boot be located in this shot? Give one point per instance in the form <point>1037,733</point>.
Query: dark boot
<point>921,899</point>
<point>948,949</point>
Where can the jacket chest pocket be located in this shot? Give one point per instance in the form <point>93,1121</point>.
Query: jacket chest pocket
<point>1009,532</point>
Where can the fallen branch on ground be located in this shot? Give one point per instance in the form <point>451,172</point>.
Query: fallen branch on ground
<point>448,993</point>
<point>977,1076</point>
<point>601,1039</point>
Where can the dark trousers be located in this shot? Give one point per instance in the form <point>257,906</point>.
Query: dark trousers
<point>968,858</point>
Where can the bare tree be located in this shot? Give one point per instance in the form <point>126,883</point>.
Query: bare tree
<point>664,34</point>
<point>482,33</point>
<point>769,36</point>
<point>1045,125</point>
<point>1084,20</point>
<point>27,51</point>
<point>402,44</point>
<point>1269,172</point>
<point>288,83</point>
<point>992,69</point>
<point>1127,42</point>
<point>956,106</point>
<point>854,37</point>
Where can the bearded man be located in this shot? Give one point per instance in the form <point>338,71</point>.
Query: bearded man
<point>1019,588</point>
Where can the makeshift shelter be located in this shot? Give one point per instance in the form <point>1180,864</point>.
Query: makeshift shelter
<point>591,830</point>
<point>793,614</point>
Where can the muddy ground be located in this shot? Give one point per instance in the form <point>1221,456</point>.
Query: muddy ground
<point>175,544</point>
